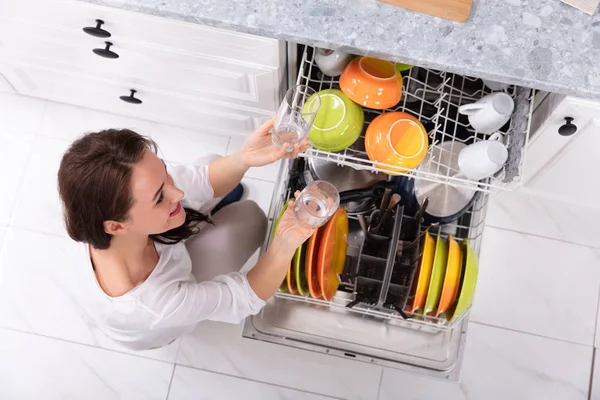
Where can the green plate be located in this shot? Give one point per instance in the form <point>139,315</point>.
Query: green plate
<point>300,271</point>
<point>338,123</point>
<point>467,290</point>
<point>283,286</point>
<point>440,260</point>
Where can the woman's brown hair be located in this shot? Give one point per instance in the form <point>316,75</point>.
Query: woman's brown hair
<point>94,183</point>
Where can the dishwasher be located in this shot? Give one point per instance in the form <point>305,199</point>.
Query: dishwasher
<point>385,335</point>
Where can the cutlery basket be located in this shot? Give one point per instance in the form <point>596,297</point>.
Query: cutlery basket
<point>386,265</point>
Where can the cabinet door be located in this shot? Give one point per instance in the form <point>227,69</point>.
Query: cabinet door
<point>71,16</point>
<point>572,176</point>
<point>160,106</point>
<point>201,74</point>
<point>546,145</point>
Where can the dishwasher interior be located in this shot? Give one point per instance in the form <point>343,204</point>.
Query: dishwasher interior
<point>380,330</point>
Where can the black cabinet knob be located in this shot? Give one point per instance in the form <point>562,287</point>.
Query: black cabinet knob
<point>569,128</point>
<point>131,99</point>
<point>106,52</point>
<point>97,31</point>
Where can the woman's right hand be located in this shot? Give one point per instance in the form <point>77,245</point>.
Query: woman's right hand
<point>289,234</point>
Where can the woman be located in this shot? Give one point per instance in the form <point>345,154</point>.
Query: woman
<point>151,251</point>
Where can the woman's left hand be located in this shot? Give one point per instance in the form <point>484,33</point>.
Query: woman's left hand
<point>258,148</point>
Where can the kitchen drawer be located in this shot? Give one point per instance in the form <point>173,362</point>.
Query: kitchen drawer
<point>213,79</point>
<point>73,16</point>
<point>103,94</point>
<point>383,333</point>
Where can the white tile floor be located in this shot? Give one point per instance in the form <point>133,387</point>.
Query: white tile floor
<point>532,332</point>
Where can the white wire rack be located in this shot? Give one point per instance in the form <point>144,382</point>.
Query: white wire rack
<point>434,97</point>
<point>470,226</point>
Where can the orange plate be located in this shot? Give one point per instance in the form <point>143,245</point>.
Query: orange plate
<point>311,260</point>
<point>332,254</point>
<point>452,278</point>
<point>372,83</point>
<point>398,139</point>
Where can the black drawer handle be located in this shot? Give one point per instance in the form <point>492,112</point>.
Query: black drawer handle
<point>131,99</point>
<point>97,31</point>
<point>569,128</point>
<point>106,52</point>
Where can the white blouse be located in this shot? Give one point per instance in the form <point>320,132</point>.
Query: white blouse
<point>169,302</point>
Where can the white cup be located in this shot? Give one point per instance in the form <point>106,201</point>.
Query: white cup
<point>482,159</point>
<point>497,86</point>
<point>332,62</point>
<point>489,113</point>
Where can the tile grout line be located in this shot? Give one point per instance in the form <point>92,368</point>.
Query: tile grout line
<point>594,349</point>
<point>257,381</point>
<point>597,310</point>
<point>529,333</point>
<point>44,110</point>
<point>543,237</point>
<point>592,374</point>
<point>227,147</point>
<point>57,235</point>
<point>83,344</point>
<point>171,381</point>
<point>380,382</point>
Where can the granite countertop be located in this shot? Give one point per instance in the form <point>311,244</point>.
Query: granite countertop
<point>543,44</point>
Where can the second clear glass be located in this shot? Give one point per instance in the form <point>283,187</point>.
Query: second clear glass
<point>316,204</point>
<point>295,116</point>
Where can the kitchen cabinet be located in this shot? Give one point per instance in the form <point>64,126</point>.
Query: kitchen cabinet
<point>185,74</point>
<point>559,165</point>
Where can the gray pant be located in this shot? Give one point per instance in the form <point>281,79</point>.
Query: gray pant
<point>239,230</point>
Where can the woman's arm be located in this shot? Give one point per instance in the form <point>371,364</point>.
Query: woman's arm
<point>226,173</point>
<point>231,298</point>
<point>266,276</point>
<point>258,150</point>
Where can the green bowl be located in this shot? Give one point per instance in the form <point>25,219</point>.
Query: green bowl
<point>338,123</point>
<point>403,67</point>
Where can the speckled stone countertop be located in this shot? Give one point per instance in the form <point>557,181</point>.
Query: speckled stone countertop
<point>543,44</point>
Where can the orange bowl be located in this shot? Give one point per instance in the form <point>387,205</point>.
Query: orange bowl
<point>372,83</point>
<point>397,139</point>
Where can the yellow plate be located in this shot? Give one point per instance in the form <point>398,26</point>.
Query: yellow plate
<point>467,290</point>
<point>452,278</point>
<point>425,269</point>
<point>440,260</point>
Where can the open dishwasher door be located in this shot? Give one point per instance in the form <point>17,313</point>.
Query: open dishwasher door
<point>361,333</point>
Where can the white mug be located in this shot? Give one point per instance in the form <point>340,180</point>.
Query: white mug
<point>489,113</point>
<point>482,159</point>
<point>498,86</point>
<point>332,62</point>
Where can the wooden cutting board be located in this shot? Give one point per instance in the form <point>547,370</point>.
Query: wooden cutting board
<point>453,10</point>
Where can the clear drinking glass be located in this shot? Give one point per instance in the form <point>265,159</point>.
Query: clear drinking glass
<point>295,116</point>
<point>316,204</point>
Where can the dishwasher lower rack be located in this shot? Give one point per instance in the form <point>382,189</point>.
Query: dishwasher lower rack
<point>434,97</point>
<point>374,333</point>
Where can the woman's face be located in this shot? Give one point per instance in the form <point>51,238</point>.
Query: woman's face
<point>157,202</point>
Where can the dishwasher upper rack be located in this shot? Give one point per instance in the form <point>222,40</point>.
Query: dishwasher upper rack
<point>470,226</point>
<point>434,97</point>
